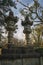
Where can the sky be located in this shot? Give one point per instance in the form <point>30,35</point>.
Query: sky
<point>19,33</point>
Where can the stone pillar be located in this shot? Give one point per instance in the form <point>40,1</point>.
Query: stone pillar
<point>27,29</point>
<point>10,37</point>
<point>27,39</point>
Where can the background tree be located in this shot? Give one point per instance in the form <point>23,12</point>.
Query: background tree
<point>37,35</point>
<point>34,11</point>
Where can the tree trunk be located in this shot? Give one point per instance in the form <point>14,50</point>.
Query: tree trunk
<point>10,37</point>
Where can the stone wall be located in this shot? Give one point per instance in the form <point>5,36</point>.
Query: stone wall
<point>27,61</point>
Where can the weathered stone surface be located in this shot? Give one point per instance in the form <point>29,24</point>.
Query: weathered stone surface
<point>19,53</point>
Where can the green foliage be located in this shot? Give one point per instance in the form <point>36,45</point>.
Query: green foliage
<point>12,3</point>
<point>34,11</point>
<point>4,2</point>
<point>37,35</point>
<point>8,2</point>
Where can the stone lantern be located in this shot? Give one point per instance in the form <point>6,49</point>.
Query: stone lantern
<point>27,28</point>
<point>10,26</point>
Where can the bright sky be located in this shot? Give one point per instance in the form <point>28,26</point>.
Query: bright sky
<point>20,34</point>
